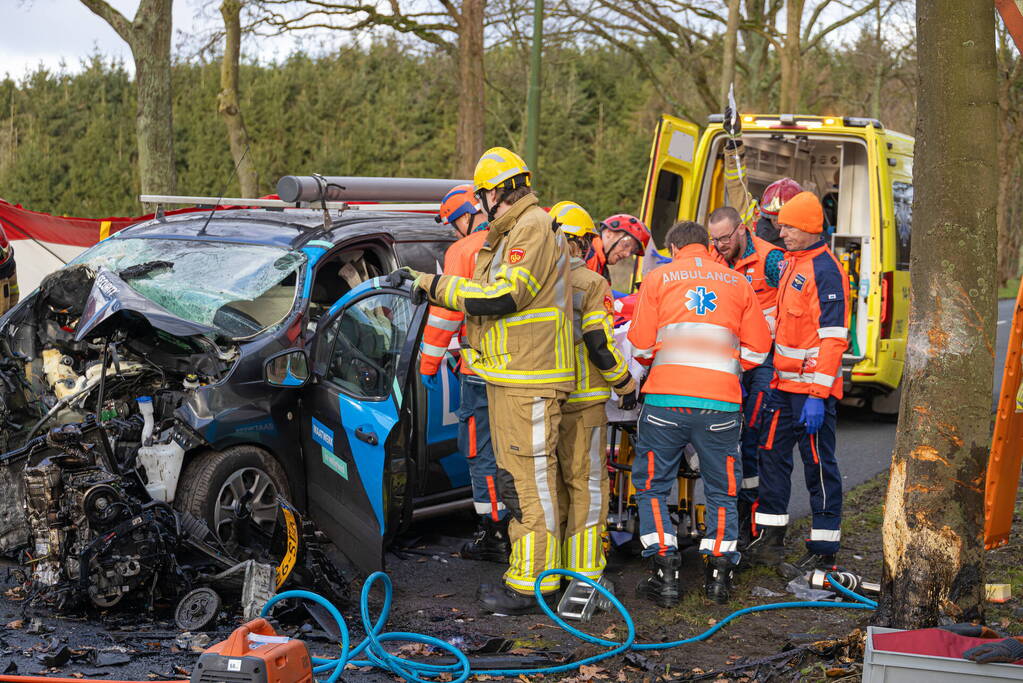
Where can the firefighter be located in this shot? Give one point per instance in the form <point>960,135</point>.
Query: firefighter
<point>620,236</point>
<point>812,335</point>
<point>763,215</point>
<point>697,324</point>
<point>9,293</point>
<point>760,262</point>
<point>518,307</point>
<point>460,210</point>
<point>599,367</point>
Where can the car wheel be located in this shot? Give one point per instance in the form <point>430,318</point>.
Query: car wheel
<point>235,492</point>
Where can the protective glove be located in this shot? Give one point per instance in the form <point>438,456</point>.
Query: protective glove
<point>417,295</point>
<point>399,277</point>
<point>1008,650</point>
<point>628,401</point>
<point>813,414</point>
<point>431,382</point>
<point>971,630</point>
<point>732,127</point>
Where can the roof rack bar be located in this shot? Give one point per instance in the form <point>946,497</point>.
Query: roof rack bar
<point>307,188</point>
<point>281,204</point>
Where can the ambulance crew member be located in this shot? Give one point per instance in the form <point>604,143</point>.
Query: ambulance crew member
<point>599,367</point>
<point>764,216</point>
<point>460,210</point>
<point>620,236</point>
<point>812,335</point>
<point>518,307</point>
<point>698,324</point>
<point>9,293</point>
<point>760,263</point>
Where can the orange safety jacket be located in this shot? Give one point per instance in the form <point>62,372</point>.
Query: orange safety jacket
<point>442,324</point>
<point>753,264</point>
<point>699,324</point>
<point>813,323</point>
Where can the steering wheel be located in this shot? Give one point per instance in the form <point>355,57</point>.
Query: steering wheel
<point>350,356</point>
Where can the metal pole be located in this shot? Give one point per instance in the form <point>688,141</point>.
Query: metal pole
<point>533,96</point>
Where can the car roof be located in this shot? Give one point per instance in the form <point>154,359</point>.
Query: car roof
<point>289,229</point>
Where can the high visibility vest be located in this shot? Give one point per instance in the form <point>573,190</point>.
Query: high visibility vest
<point>813,323</point>
<point>698,324</point>
<point>442,324</point>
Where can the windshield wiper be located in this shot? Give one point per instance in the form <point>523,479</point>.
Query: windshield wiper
<point>143,269</point>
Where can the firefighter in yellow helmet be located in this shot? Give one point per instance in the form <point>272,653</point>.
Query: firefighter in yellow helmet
<point>599,367</point>
<point>518,307</point>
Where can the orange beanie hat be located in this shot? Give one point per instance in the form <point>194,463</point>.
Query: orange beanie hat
<point>804,212</point>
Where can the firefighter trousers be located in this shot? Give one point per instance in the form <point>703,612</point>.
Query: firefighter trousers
<point>663,434</point>
<point>9,294</point>
<point>583,489</point>
<point>755,383</point>
<point>524,427</point>
<point>474,441</point>
<point>823,480</point>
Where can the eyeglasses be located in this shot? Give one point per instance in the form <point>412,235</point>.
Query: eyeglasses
<point>727,238</point>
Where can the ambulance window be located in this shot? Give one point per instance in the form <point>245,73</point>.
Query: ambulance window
<point>902,200</point>
<point>666,202</point>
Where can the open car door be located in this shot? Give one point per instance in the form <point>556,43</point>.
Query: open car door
<point>356,419</point>
<point>670,193</point>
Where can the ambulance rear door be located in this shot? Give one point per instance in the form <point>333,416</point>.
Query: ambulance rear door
<point>670,191</point>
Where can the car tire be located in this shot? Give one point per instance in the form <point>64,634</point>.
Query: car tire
<point>216,477</point>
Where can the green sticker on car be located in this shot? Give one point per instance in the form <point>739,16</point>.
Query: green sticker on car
<point>335,463</point>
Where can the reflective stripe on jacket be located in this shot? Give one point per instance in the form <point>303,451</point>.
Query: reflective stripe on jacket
<point>442,324</point>
<point>599,364</point>
<point>699,324</point>
<point>736,183</point>
<point>518,303</point>
<point>813,323</point>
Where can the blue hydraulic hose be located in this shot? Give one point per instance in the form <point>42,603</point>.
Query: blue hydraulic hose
<point>378,657</point>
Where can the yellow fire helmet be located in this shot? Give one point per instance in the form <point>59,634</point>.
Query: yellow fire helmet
<point>500,168</point>
<point>573,219</point>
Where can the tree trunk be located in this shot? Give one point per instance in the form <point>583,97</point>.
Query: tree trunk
<point>149,37</point>
<point>879,66</point>
<point>756,53</point>
<point>730,43</point>
<point>933,524</point>
<point>471,113</point>
<point>227,100</point>
<point>790,57</point>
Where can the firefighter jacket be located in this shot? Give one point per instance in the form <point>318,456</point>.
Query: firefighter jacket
<point>442,324</point>
<point>738,196</point>
<point>761,264</point>
<point>599,364</point>
<point>518,304</point>
<point>813,323</point>
<point>699,324</point>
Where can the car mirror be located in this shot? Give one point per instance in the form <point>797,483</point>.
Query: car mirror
<point>287,370</point>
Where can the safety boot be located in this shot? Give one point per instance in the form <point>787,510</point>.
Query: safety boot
<point>502,601</point>
<point>744,508</point>
<point>489,543</point>
<point>767,549</point>
<point>717,578</point>
<point>806,564</point>
<point>662,586</point>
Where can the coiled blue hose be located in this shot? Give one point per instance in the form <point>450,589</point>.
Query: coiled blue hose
<point>376,656</point>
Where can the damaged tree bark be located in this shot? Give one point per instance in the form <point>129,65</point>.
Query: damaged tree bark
<point>228,101</point>
<point>933,524</point>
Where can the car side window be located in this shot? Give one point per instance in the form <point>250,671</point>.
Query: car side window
<point>370,334</point>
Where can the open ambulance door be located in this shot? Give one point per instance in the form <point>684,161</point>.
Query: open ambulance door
<point>670,192</point>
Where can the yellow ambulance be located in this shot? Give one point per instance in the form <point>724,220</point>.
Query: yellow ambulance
<point>863,174</point>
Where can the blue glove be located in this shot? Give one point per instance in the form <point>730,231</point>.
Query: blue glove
<point>431,382</point>
<point>813,414</point>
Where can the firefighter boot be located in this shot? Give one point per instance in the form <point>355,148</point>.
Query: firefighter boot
<point>768,548</point>
<point>489,543</point>
<point>745,510</point>
<point>717,580</point>
<point>662,586</point>
<point>502,601</point>
<point>806,564</point>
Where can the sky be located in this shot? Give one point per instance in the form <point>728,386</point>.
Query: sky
<point>49,32</point>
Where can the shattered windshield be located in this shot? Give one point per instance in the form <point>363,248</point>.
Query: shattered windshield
<point>238,289</point>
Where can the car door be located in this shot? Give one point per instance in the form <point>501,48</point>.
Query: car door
<point>670,192</point>
<point>356,419</point>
